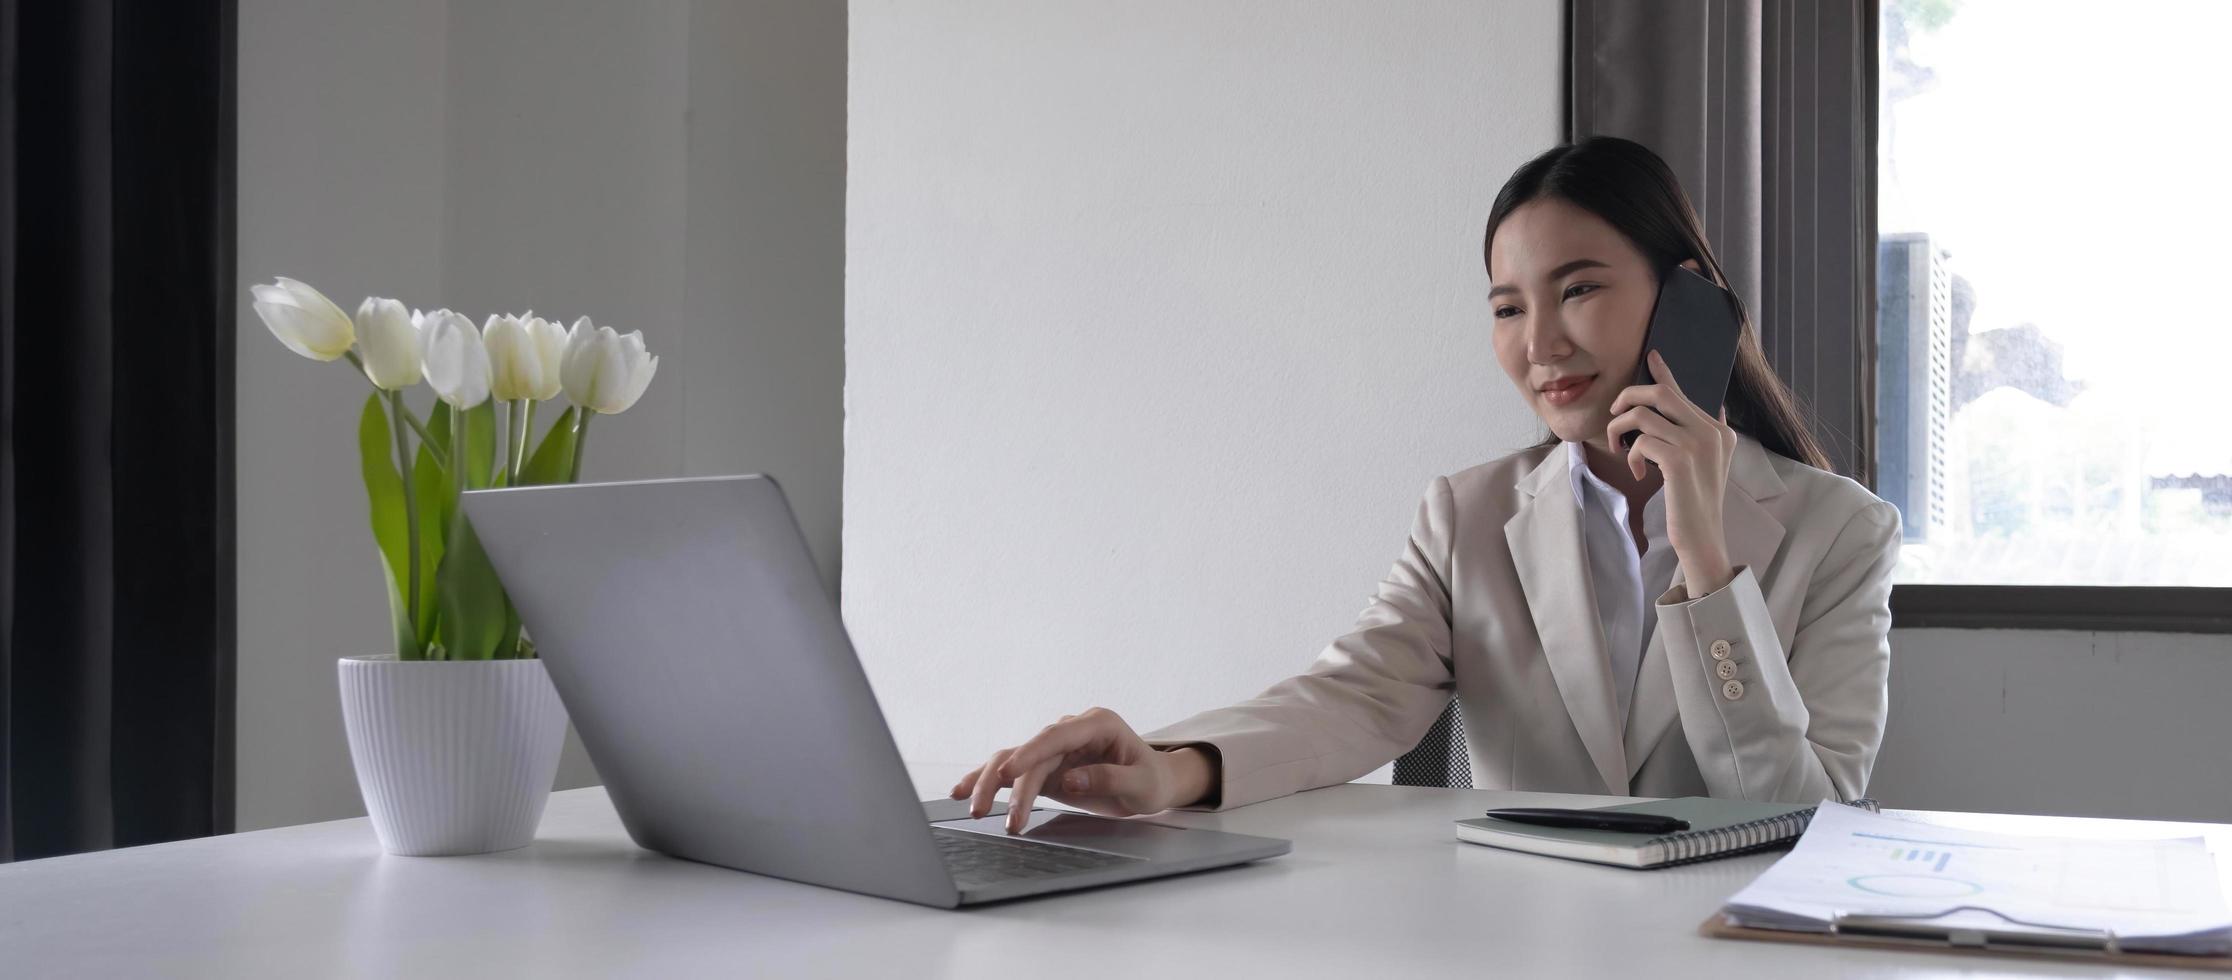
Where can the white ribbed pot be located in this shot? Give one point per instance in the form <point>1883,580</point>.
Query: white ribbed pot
<point>453,756</point>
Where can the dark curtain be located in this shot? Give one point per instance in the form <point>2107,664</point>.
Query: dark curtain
<point>116,352</point>
<point>1766,109</point>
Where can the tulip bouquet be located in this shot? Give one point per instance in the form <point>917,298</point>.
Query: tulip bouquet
<point>445,601</point>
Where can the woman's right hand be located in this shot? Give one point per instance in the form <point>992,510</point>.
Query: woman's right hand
<point>1093,761</point>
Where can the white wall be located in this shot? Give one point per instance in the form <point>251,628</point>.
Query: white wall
<point>1159,316</point>
<point>674,166</point>
<point>2090,724</point>
<point>341,184</point>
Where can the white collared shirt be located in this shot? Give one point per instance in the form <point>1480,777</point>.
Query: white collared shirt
<point>1627,584</point>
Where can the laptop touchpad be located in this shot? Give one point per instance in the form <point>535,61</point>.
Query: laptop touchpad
<point>936,810</point>
<point>1119,836</point>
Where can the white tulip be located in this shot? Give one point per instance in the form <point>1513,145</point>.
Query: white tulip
<point>515,366</point>
<point>390,340</point>
<point>605,371</point>
<point>421,319</point>
<point>304,319</point>
<point>550,352</point>
<point>456,362</point>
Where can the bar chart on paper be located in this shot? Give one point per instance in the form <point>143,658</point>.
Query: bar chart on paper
<point>1916,869</point>
<point>1937,860</point>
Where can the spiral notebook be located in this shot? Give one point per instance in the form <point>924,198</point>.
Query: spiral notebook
<point>1718,829</point>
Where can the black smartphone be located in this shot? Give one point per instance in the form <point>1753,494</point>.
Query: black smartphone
<point>1694,327</point>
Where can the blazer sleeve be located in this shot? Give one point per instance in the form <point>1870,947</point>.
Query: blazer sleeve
<point>1369,696</point>
<point>1796,725</point>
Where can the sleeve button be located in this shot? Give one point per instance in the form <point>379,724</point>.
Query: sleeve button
<point>1732,690</point>
<point>1725,669</point>
<point>1720,649</point>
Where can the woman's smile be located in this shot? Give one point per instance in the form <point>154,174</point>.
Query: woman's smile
<point>1567,389</point>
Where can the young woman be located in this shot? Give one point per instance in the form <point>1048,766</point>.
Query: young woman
<point>1706,613</point>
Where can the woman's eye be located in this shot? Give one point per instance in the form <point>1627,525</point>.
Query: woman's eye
<point>1584,286</point>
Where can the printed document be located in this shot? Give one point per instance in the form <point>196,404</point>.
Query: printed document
<point>1858,867</point>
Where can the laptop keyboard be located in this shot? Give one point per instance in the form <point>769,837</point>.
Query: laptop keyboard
<point>980,859</point>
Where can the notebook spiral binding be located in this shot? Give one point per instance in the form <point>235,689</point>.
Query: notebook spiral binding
<point>1743,838</point>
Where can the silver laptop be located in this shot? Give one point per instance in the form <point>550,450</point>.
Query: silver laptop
<point>713,684</point>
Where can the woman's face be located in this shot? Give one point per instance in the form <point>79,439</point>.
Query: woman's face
<point>1570,298</point>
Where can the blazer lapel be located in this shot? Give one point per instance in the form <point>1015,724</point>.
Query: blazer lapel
<point>1753,537</point>
<point>1546,547</point>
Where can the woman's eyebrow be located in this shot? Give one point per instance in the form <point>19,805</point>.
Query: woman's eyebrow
<point>1555,274</point>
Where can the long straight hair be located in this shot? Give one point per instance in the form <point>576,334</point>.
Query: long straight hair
<point>1627,185</point>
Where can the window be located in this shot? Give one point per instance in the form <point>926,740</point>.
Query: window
<point>2054,327</point>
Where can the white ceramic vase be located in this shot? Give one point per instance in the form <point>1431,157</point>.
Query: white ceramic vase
<point>453,757</point>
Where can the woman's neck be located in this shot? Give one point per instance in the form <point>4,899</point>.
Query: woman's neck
<point>1613,470</point>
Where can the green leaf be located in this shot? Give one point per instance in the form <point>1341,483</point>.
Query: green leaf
<point>480,444</point>
<point>474,607</point>
<point>383,489</point>
<point>406,644</point>
<point>438,424</point>
<point>507,644</point>
<point>430,488</point>
<point>553,458</point>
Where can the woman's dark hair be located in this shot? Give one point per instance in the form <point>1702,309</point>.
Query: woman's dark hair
<point>1634,191</point>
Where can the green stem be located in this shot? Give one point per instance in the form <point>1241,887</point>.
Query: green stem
<point>458,460</point>
<point>526,433</point>
<point>581,436</point>
<point>426,437</point>
<point>495,454</point>
<point>410,516</point>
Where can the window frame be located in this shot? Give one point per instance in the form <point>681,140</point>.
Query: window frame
<point>2090,608</point>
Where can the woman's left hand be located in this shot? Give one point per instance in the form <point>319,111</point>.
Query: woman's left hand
<point>1692,450</point>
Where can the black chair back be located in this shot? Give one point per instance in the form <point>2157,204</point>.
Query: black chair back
<point>1439,758</point>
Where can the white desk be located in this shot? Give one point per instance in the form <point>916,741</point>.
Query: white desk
<point>1376,887</point>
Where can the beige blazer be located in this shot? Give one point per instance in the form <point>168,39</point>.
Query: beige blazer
<point>1491,599</point>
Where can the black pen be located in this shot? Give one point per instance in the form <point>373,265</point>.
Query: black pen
<point>1633,823</point>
